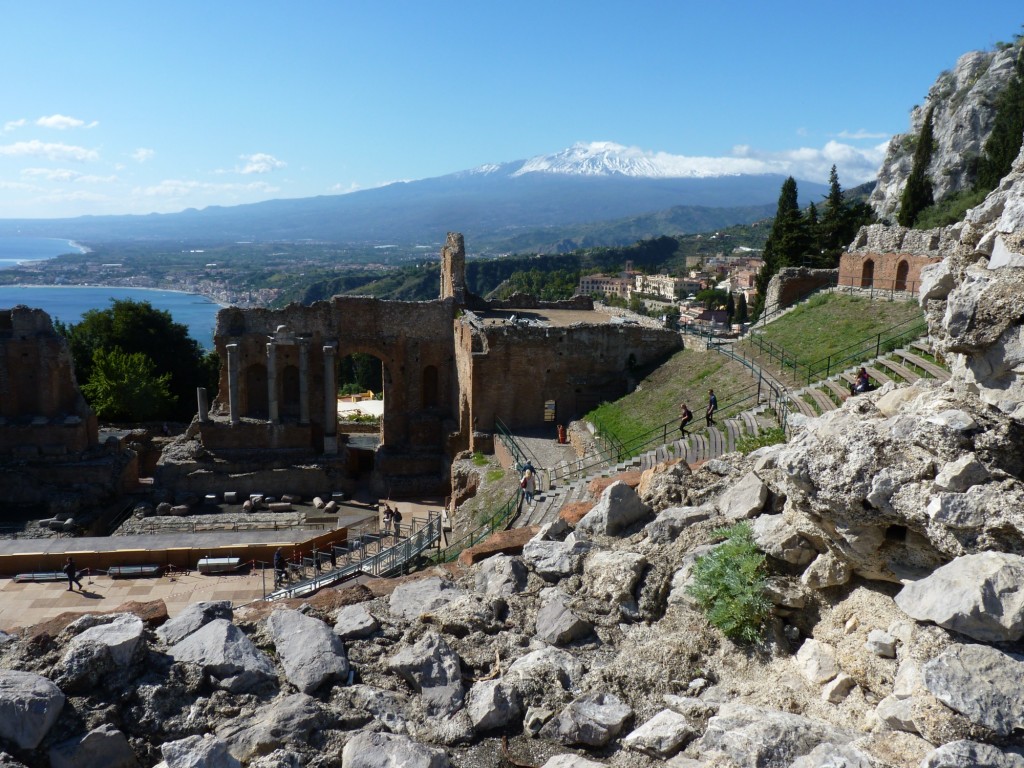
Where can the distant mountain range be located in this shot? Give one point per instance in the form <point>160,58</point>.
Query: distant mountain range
<point>597,193</point>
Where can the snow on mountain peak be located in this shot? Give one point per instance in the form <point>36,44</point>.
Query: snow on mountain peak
<point>606,158</point>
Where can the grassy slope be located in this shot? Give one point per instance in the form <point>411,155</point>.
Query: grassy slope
<point>823,326</point>
<point>830,323</point>
<point>686,376</point>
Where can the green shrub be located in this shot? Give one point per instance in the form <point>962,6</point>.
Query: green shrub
<point>480,460</point>
<point>729,584</point>
<point>494,475</point>
<point>750,443</point>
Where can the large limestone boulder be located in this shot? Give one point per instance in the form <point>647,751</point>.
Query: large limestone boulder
<point>749,735</point>
<point>611,578</point>
<point>592,720</point>
<point>744,499</point>
<point>501,575</point>
<point>618,508</point>
<point>285,720</point>
<point>981,683</point>
<point>385,750</point>
<point>354,621</point>
<point>555,560</point>
<point>192,617</point>
<point>414,598</point>
<point>29,706</point>
<point>226,654</point>
<point>492,704</point>
<point>104,746</point>
<point>310,652</point>
<point>556,622</point>
<point>662,735</point>
<point>973,754</point>
<point>204,751</point>
<point>432,668</point>
<point>979,595</point>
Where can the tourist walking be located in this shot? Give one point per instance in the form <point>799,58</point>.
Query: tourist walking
<point>712,407</point>
<point>529,484</point>
<point>71,571</point>
<point>279,568</point>
<point>396,519</point>
<point>685,417</point>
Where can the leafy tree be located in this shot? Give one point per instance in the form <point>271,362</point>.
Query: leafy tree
<point>359,372</point>
<point>917,194</point>
<point>1003,144</point>
<point>136,327</point>
<point>713,298</point>
<point>125,386</point>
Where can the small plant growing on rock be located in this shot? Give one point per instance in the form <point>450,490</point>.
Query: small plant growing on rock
<point>750,443</point>
<point>729,585</point>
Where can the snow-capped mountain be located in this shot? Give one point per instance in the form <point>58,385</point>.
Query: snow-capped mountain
<point>606,158</point>
<point>581,185</point>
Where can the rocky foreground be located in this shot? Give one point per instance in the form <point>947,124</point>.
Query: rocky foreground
<point>893,531</point>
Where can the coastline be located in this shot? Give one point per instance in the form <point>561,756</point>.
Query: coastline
<point>210,299</point>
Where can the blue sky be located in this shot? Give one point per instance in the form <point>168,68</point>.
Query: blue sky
<point>139,107</point>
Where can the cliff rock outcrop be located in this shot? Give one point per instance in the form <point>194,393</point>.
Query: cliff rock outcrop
<point>963,101</point>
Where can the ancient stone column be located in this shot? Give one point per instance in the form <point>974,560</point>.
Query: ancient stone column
<point>233,362</point>
<point>204,408</point>
<point>303,383</point>
<point>272,381</point>
<point>330,401</point>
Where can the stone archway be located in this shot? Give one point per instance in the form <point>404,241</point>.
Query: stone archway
<point>902,270</point>
<point>867,274</point>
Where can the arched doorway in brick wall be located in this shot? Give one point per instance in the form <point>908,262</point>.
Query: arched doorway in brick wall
<point>867,274</point>
<point>902,270</point>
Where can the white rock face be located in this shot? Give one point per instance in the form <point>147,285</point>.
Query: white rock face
<point>662,735</point>
<point>227,654</point>
<point>619,507</point>
<point>981,683</point>
<point>817,661</point>
<point>384,750</point>
<point>964,110</point>
<point>310,652</point>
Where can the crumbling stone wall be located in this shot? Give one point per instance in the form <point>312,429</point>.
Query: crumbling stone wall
<point>42,411</point>
<point>791,284</point>
<point>511,372</point>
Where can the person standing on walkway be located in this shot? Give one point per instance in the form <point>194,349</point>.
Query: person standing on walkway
<point>71,571</point>
<point>279,567</point>
<point>712,407</point>
<point>685,417</point>
<point>389,517</point>
<point>396,518</point>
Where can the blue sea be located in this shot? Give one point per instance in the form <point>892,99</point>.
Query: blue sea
<point>69,303</point>
<point>17,250</point>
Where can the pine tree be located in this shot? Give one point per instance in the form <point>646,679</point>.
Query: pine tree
<point>917,194</point>
<point>1003,144</point>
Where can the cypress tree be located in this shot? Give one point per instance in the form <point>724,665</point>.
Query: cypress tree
<point>730,307</point>
<point>917,194</point>
<point>787,240</point>
<point>741,309</point>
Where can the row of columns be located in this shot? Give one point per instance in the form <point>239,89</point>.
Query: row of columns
<point>330,387</point>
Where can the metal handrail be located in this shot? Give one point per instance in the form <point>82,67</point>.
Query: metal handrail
<point>495,522</point>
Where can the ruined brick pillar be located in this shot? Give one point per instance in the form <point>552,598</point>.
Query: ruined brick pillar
<point>330,401</point>
<point>233,404</point>
<point>303,382</point>
<point>453,269</point>
<point>272,382</point>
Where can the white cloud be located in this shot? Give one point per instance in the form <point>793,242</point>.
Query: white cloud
<point>51,151</point>
<point>854,165</point>
<point>63,122</point>
<point>862,134</point>
<point>142,154</point>
<point>18,186</point>
<point>260,163</point>
<point>342,189</point>
<point>65,175</point>
<point>10,125</point>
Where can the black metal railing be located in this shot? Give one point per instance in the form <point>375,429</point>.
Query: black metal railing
<point>496,521</point>
<point>807,373</point>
